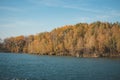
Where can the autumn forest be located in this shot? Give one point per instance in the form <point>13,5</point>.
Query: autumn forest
<point>97,39</point>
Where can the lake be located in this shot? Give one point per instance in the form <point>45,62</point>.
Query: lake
<point>35,67</point>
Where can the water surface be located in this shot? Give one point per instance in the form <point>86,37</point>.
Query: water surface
<point>34,67</point>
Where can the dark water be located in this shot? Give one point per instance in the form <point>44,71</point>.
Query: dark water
<point>34,67</point>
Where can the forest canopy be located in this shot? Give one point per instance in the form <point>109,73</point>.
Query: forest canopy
<point>96,39</point>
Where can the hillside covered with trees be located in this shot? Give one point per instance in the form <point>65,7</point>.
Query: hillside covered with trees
<point>98,39</point>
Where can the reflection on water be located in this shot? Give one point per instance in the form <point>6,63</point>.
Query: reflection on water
<point>34,67</point>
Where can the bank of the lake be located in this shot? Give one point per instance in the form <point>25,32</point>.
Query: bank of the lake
<point>97,39</point>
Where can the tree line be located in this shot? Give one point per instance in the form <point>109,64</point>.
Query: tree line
<point>97,39</point>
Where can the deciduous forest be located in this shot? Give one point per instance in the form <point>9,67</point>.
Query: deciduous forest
<point>97,39</point>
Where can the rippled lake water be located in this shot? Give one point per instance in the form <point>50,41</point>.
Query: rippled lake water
<point>34,67</point>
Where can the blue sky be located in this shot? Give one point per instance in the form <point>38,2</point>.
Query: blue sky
<point>25,17</point>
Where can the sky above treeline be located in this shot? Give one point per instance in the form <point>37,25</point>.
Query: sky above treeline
<point>25,17</point>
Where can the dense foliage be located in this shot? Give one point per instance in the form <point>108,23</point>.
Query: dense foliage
<point>84,40</point>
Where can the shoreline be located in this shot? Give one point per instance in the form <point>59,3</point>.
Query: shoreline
<point>85,55</point>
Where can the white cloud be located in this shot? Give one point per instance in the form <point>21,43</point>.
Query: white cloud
<point>15,27</point>
<point>107,11</point>
<point>52,3</point>
<point>84,19</point>
<point>9,8</point>
<point>13,22</point>
<point>81,8</point>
